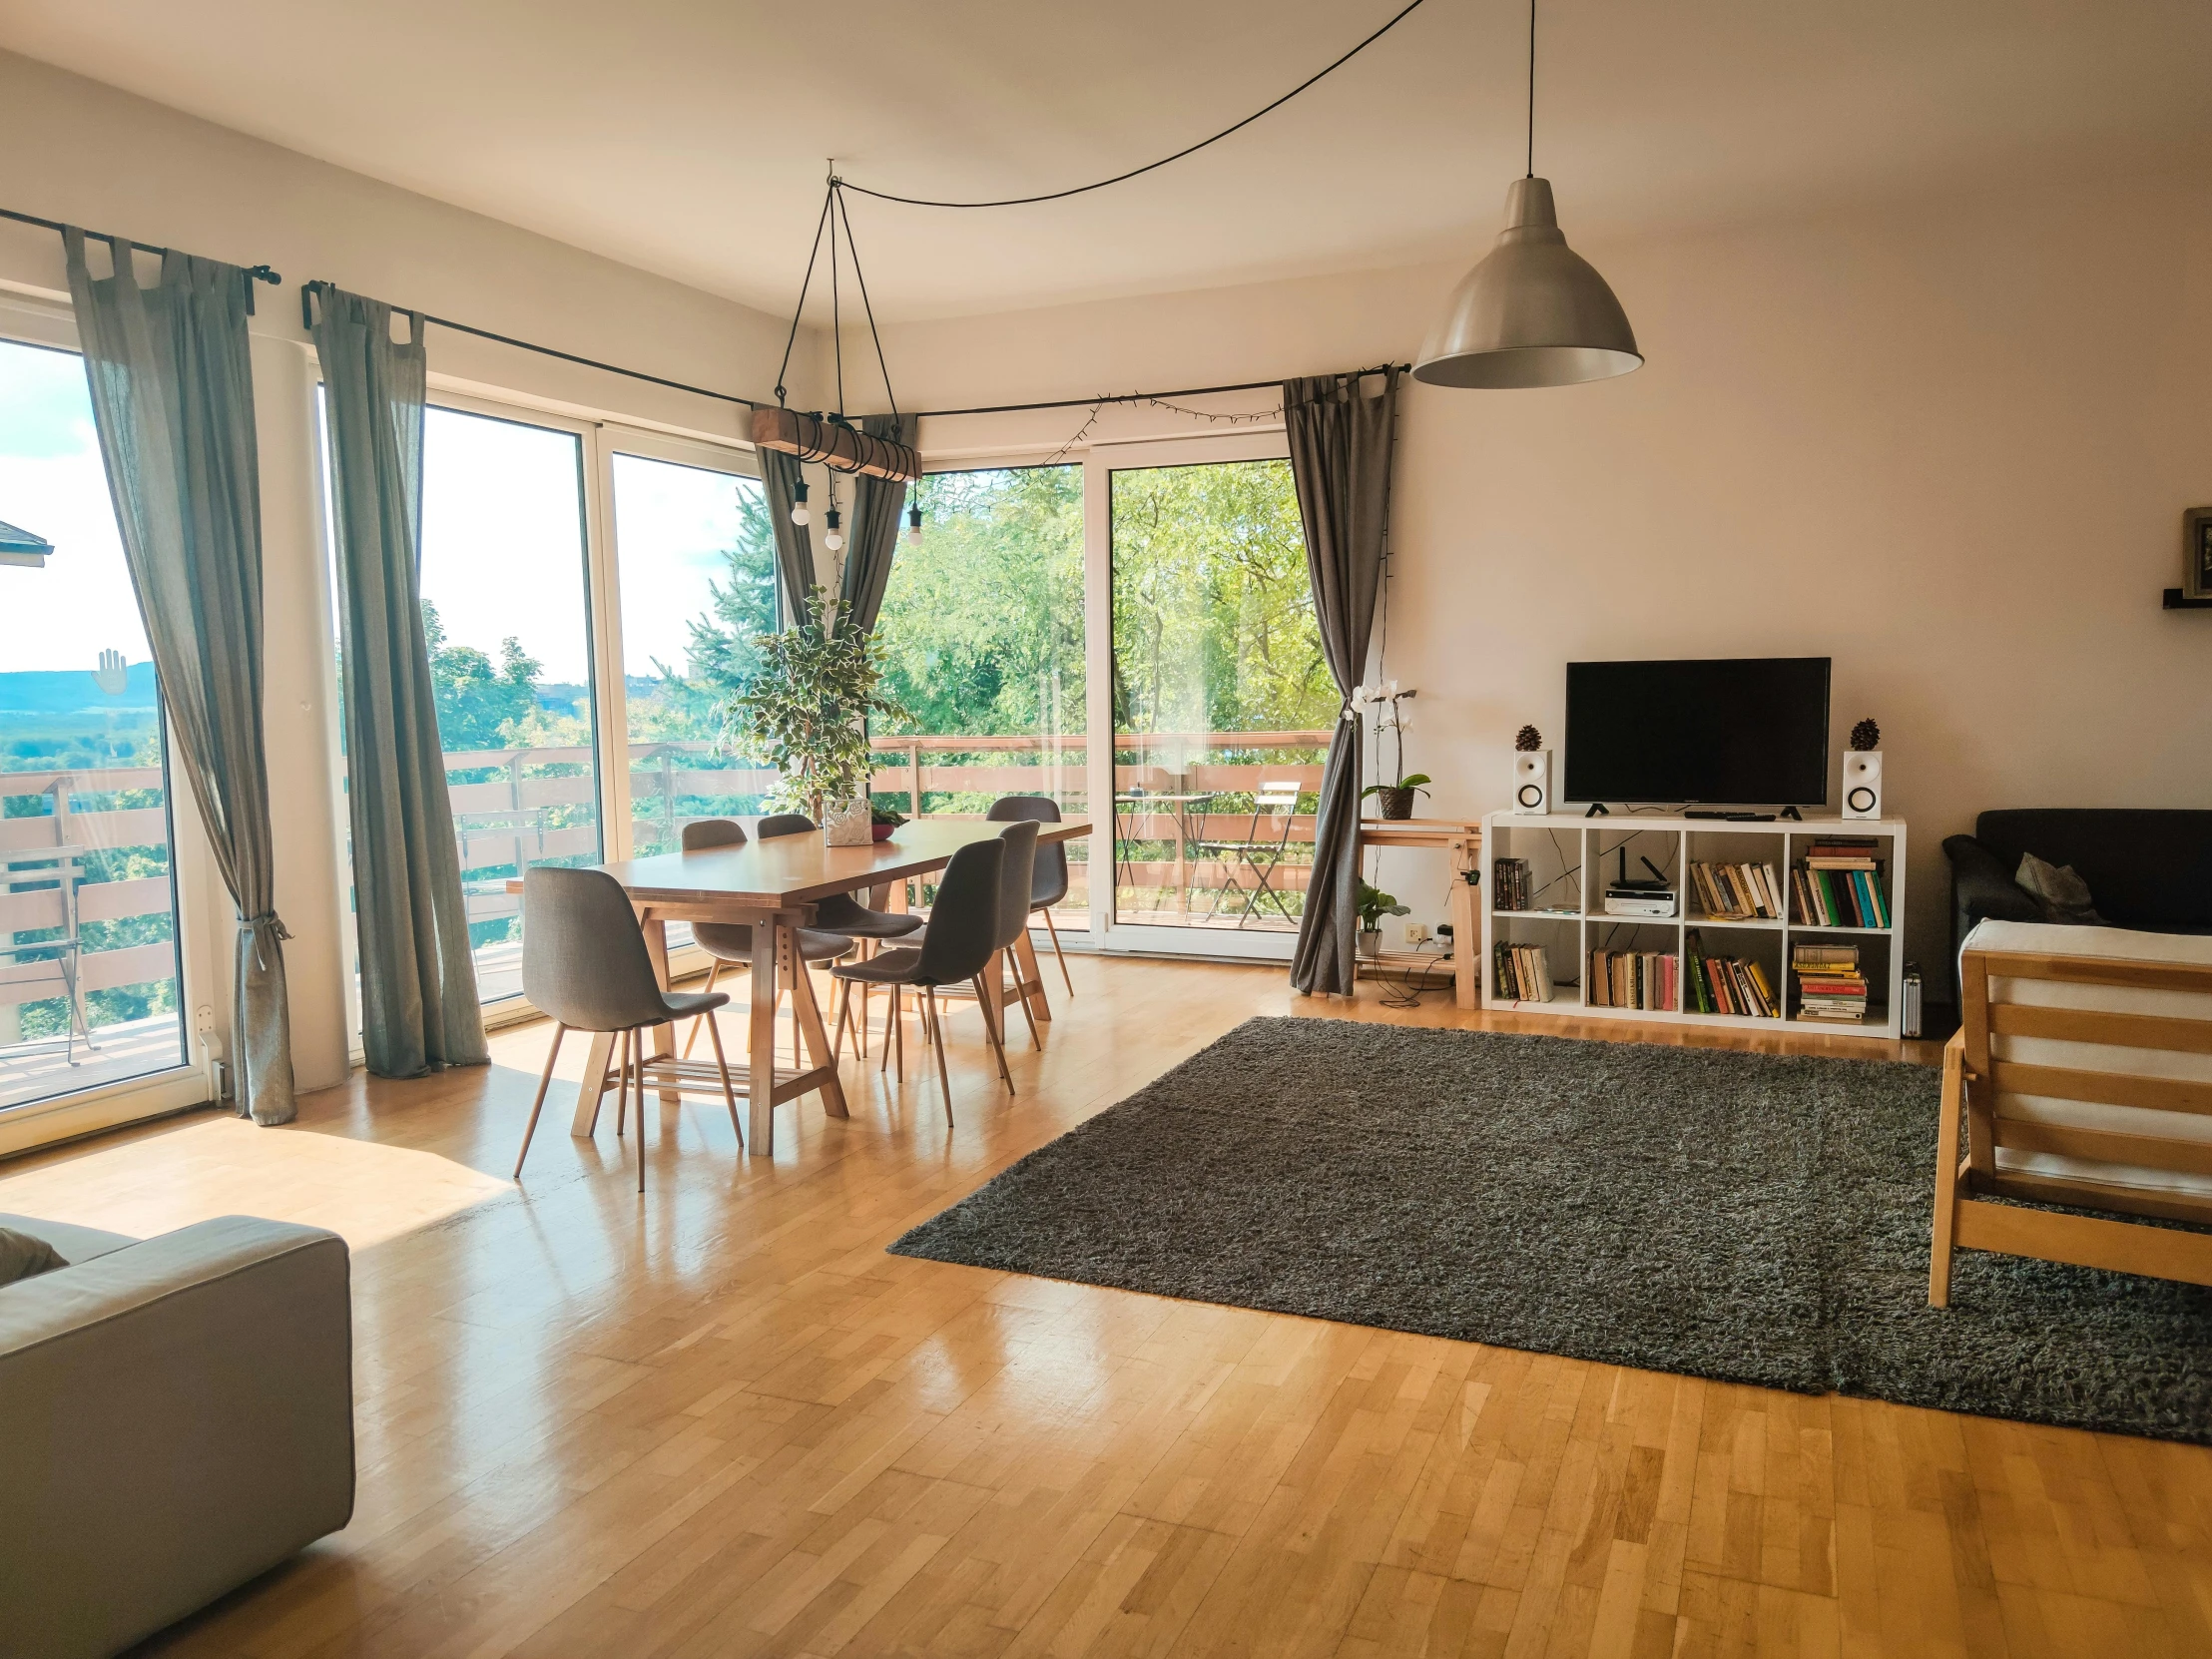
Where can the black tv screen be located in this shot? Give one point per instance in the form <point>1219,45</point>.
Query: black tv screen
<point>1730,730</point>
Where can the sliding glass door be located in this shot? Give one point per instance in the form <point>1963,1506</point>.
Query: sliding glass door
<point>506,614</point>
<point>982,630</point>
<point>91,986</point>
<point>1223,702</point>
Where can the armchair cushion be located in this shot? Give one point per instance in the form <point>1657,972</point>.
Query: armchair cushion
<point>23,1255</point>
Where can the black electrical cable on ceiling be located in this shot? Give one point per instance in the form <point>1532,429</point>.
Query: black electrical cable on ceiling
<point>1188,150</point>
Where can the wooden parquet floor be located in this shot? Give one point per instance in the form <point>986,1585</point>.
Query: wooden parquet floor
<point>724,1422</point>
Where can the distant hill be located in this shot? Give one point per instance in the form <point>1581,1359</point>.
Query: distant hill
<point>70,691</point>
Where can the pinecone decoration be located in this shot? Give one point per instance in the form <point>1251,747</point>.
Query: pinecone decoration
<point>1528,740</point>
<point>1865,735</point>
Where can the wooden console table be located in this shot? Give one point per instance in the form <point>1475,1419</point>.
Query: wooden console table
<point>1461,838</point>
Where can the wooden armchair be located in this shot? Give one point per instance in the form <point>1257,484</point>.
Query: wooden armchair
<point>2082,1077</point>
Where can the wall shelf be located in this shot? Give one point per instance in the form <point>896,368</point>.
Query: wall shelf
<point>1590,848</point>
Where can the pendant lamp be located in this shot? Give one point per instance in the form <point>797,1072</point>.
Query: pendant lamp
<point>1533,313</point>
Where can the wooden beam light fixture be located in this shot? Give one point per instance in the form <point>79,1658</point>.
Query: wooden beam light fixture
<point>831,438</point>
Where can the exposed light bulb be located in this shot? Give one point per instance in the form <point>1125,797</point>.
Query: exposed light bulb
<point>801,515</point>
<point>833,534</point>
<point>914,525</point>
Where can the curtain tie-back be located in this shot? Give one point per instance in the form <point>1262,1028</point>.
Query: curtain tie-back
<point>265,926</point>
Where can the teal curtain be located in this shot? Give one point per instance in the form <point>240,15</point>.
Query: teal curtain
<point>879,505</point>
<point>419,1010</point>
<point>173,401</point>
<point>794,547</point>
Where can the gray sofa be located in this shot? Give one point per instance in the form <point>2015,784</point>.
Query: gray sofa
<point>176,1416</point>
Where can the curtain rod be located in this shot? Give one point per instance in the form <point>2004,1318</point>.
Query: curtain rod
<point>260,273</point>
<point>1142,396</point>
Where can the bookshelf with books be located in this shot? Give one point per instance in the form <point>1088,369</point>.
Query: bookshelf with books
<point>1773,921</point>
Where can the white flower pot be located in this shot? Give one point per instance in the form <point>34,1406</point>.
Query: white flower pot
<point>847,823</point>
<point>1371,942</point>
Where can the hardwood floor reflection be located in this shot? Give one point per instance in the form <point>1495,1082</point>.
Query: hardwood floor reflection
<point>724,1422</point>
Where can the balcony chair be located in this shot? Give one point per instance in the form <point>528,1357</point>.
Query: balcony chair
<point>732,941</point>
<point>1049,881</point>
<point>585,964</point>
<point>1260,854</point>
<point>2081,1077</point>
<point>958,946</point>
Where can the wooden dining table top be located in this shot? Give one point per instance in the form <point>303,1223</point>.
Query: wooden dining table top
<point>799,870</point>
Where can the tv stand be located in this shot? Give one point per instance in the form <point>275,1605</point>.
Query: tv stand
<point>1599,808</point>
<point>1577,922</point>
<point>1792,816</point>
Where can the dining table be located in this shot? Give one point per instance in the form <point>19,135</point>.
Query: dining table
<point>773,885</point>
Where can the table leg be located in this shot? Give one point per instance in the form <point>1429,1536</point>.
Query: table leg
<point>664,1036</point>
<point>760,1045</point>
<point>1026,964</point>
<point>808,1013</point>
<point>593,1089</point>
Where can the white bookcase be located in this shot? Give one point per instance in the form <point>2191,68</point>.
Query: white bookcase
<point>1573,859</point>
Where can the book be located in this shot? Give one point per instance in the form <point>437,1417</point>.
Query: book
<point>1522,972</point>
<point>1738,893</point>
<point>1633,979</point>
<point>1830,984</point>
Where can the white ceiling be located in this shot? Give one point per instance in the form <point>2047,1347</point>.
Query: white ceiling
<point>688,137</point>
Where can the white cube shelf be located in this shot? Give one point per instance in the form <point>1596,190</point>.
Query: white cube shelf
<point>1573,858</point>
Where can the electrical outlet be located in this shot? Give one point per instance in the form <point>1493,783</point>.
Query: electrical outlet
<point>1416,933</point>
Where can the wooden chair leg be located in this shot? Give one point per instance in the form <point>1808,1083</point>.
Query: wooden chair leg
<point>622,1083</point>
<point>722,1064</point>
<point>638,1144</point>
<point>545,1082</point>
<point>714,972</point>
<point>998,1046</point>
<point>936,1036</point>
<point>1057,952</point>
<point>844,1012</point>
<point>1022,995</point>
<point>1946,1236</point>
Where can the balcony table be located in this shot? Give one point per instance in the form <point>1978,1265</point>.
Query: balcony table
<point>773,885</point>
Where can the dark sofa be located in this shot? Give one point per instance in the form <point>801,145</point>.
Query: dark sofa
<point>2147,869</point>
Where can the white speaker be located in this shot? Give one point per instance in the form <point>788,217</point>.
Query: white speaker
<point>1533,780</point>
<point>1862,783</point>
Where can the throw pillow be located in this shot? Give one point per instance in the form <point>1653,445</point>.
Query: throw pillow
<point>22,1257</point>
<point>2062,895</point>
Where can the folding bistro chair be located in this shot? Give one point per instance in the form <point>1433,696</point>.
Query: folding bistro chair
<point>1261,852</point>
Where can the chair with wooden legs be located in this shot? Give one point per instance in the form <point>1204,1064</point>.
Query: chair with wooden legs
<point>1049,881</point>
<point>584,962</point>
<point>730,943</point>
<point>2081,1077</point>
<point>1015,877</point>
<point>957,947</point>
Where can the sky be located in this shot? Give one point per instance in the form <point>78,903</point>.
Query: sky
<point>52,482</point>
<point>502,534</point>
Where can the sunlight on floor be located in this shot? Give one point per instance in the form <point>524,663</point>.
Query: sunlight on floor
<point>225,1166</point>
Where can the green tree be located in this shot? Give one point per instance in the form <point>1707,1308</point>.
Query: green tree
<point>476,700</point>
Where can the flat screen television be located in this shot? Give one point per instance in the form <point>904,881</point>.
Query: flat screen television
<point>1729,730</point>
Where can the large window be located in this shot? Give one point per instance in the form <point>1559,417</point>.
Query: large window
<point>982,631</point>
<point>696,564</point>
<point>1223,702</point>
<point>89,972</point>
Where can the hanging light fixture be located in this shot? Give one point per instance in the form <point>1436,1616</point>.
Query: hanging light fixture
<point>913,525</point>
<point>1533,313</point>
<point>801,514</point>
<point>833,534</point>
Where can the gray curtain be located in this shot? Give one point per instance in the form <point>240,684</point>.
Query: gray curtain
<point>418,986</point>
<point>794,547</point>
<point>1341,441</point>
<point>879,507</point>
<point>173,400</point>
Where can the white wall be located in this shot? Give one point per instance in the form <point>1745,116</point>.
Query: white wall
<point>85,153</point>
<point>1947,443</point>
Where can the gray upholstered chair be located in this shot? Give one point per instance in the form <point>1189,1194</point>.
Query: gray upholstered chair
<point>959,944</point>
<point>842,914</point>
<point>584,962</point>
<point>1049,884</point>
<point>732,941</point>
<point>1015,876</point>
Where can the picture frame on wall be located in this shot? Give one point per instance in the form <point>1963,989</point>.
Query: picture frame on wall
<point>2196,553</point>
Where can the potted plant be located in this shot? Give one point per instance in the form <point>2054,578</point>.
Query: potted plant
<point>806,713</point>
<point>882,820</point>
<point>1374,905</point>
<point>1396,799</point>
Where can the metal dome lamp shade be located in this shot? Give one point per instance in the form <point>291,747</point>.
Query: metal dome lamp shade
<point>1534,312</point>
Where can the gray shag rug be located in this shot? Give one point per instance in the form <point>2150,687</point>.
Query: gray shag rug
<point>1744,1217</point>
